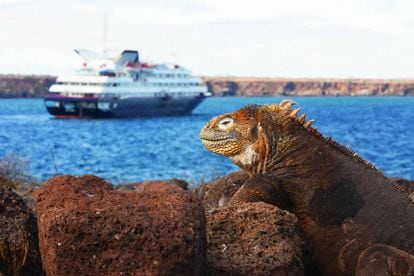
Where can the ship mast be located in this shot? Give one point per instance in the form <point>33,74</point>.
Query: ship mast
<point>105,34</point>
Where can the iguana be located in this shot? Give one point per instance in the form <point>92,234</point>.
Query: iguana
<point>354,219</point>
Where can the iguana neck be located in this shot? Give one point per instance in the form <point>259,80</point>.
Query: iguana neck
<point>307,161</point>
<point>299,156</point>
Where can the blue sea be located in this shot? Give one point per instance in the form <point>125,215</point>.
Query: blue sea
<point>127,150</point>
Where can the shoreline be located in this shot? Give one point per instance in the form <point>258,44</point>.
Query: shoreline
<point>35,86</point>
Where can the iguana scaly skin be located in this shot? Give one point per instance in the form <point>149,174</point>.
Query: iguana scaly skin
<point>354,219</point>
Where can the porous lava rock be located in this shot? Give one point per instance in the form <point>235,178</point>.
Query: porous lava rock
<point>254,239</point>
<point>171,185</point>
<point>156,186</point>
<point>218,193</point>
<point>179,182</point>
<point>19,250</point>
<point>88,228</point>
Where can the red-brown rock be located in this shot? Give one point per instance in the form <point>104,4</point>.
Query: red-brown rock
<point>156,186</point>
<point>19,250</point>
<point>219,192</point>
<point>254,239</point>
<point>88,228</point>
<point>171,185</point>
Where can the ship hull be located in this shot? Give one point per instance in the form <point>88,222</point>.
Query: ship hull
<point>120,108</point>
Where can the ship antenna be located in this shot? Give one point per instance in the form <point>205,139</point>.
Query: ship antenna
<point>105,34</point>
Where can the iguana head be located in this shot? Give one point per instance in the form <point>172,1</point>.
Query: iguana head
<point>250,136</point>
<point>229,134</point>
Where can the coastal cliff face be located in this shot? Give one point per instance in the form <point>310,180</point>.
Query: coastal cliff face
<point>239,86</point>
<point>16,86</point>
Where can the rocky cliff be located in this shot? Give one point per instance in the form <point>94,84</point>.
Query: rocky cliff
<point>243,86</point>
<point>20,86</point>
<point>36,86</point>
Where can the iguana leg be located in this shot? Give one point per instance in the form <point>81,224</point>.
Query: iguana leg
<point>261,187</point>
<point>380,259</point>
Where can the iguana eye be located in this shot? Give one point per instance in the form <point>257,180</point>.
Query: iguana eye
<point>225,123</point>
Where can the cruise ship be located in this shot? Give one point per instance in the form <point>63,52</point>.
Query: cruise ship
<point>124,87</point>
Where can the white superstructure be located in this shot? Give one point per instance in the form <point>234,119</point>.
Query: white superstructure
<point>102,76</point>
<point>123,78</point>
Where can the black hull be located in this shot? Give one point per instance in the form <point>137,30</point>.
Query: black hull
<point>120,108</point>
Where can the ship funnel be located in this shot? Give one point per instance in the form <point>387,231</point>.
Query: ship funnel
<point>128,57</point>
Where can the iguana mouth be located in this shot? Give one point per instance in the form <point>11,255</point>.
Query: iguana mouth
<point>215,137</point>
<point>214,140</point>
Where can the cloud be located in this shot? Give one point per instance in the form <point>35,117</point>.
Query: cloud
<point>299,38</point>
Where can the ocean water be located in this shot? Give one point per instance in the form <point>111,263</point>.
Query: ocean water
<point>125,150</point>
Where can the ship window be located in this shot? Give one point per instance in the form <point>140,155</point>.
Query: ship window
<point>69,107</point>
<point>103,106</point>
<point>107,73</point>
<point>52,103</point>
<point>87,105</point>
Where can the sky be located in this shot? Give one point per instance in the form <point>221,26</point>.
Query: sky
<point>260,38</point>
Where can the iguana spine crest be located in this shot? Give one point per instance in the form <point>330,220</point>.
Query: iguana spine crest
<point>286,105</point>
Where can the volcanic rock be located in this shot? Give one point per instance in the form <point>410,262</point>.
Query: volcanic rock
<point>19,250</point>
<point>154,186</point>
<point>157,186</point>
<point>254,239</point>
<point>171,185</point>
<point>179,182</point>
<point>88,228</point>
<point>219,192</point>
